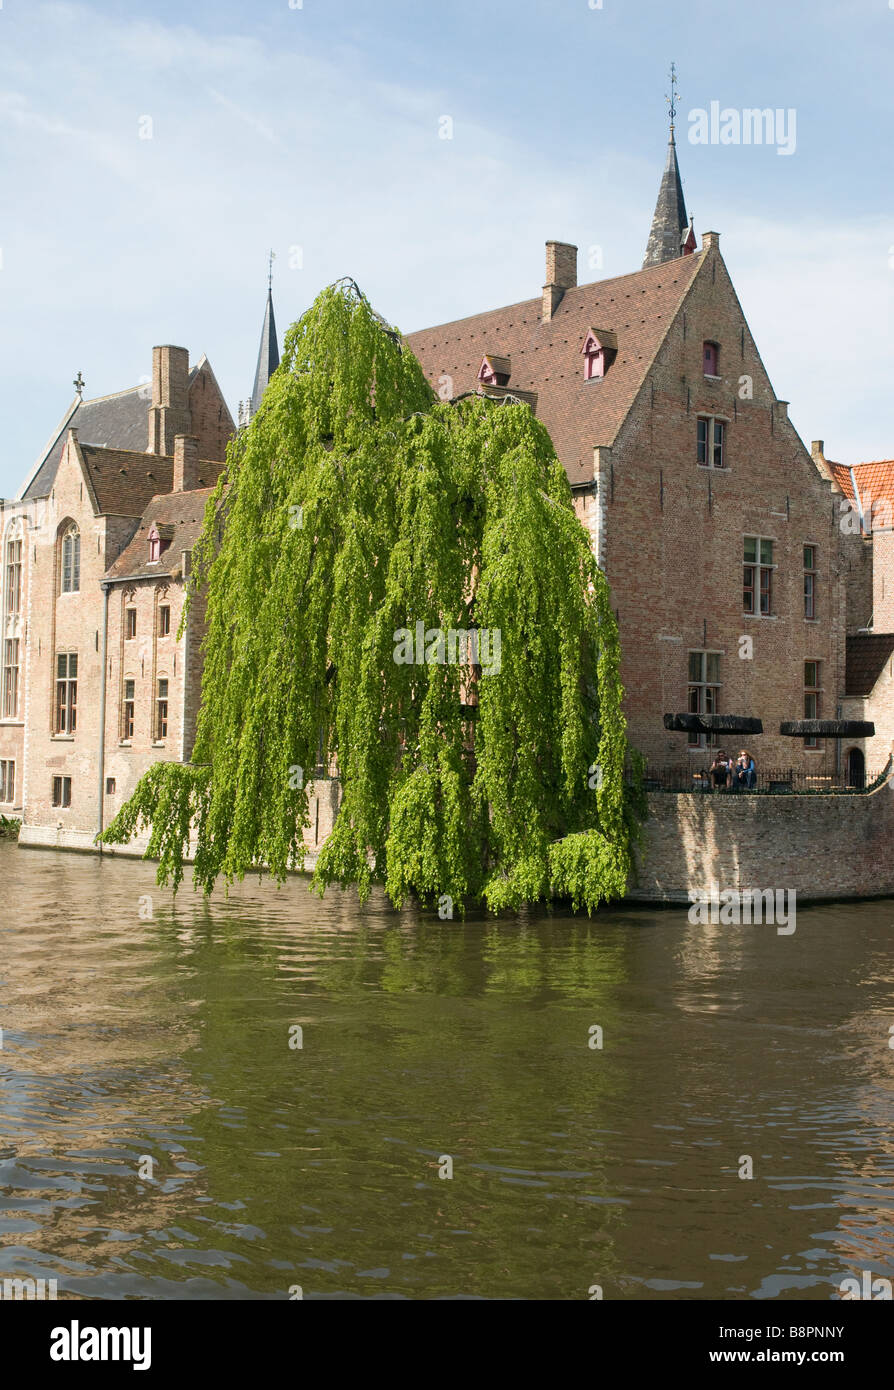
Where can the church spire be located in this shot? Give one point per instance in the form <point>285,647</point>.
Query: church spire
<point>671,233</point>
<point>268,353</point>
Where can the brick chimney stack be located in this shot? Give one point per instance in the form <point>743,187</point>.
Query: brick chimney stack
<point>169,413</point>
<point>561,275</point>
<point>186,463</point>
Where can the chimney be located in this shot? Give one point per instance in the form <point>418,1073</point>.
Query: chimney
<point>169,413</point>
<point>561,275</point>
<point>186,463</point>
<point>710,239</point>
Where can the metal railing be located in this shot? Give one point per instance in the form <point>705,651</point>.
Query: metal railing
<point>775,781</point>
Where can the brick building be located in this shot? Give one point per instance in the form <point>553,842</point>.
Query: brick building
<point>737,584</point>
<point>718,532</point>
<point>96,684</point>
<point>865,493</point>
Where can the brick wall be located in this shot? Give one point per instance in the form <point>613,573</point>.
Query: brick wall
<point>673,533</point>
<point>15,524</point>
<point>70,623</point>
<point>822,847</point>
<point>210,419</point>
<point>146,658</point>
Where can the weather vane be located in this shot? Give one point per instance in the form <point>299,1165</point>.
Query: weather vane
<point>672,99</point>
<point>270,270</point>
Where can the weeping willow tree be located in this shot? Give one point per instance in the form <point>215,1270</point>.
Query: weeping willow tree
<point>397,590</point>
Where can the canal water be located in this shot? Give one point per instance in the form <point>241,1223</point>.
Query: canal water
<point>162,1134</point>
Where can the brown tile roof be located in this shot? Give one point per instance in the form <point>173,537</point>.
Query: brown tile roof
<point>867,654</point>
<point>123,480</point>
<point>181,512</point>
<point>546,357</point>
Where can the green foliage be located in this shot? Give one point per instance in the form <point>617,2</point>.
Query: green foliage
<point>354,506</point>
<point>9,828</point>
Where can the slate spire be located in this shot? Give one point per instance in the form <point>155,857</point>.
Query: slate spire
<point>670,223</point>
<point>268,353</point>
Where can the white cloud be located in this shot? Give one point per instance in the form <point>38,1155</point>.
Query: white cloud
<point>118,243</point>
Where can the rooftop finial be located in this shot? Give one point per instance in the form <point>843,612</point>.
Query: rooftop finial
<point>79,383</point>
<point>270,261</point>
<point>672,99</point>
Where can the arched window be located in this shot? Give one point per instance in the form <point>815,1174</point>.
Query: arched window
<point>71,561</point>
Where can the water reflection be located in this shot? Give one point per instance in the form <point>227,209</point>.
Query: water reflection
<point>168,1040</point>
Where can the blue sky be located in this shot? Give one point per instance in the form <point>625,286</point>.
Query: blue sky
<point>317,127</point>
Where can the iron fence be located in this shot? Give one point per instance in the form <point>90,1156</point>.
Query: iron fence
<point>774,781</point>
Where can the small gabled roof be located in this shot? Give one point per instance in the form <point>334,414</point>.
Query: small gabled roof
<point>182,514</point>
<point>500,366</point>
<point>603,337</point>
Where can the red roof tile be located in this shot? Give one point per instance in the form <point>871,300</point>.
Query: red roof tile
<point>875,483</point>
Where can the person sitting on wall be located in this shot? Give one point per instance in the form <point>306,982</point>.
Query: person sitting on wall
<point>720,770</point>
<point>745,772</point>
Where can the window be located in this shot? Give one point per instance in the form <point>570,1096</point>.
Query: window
<point>71,561</point>
<point>757,577</point>
<point>160,534</point>
<point>130,623</point>
<point>810,581</point>
<point>13,577</point>
<point>711,357</point>
<point>704,691</point>
<point>110,786</point>
<point>61,791</point>
<point>709,441</point>
<point>599,351</point>
<point>66,693</point>
<point>594,365</point>
<point>7,780</point>
<point>164,620</point>
<point>127,710</point>
<point>11,678</point>
<point>812,693</point>
<point>161,711</point>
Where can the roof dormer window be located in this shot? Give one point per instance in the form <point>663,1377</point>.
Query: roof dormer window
<point>160,538</point>
<point>599,351</point>
<point>494,371</point>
